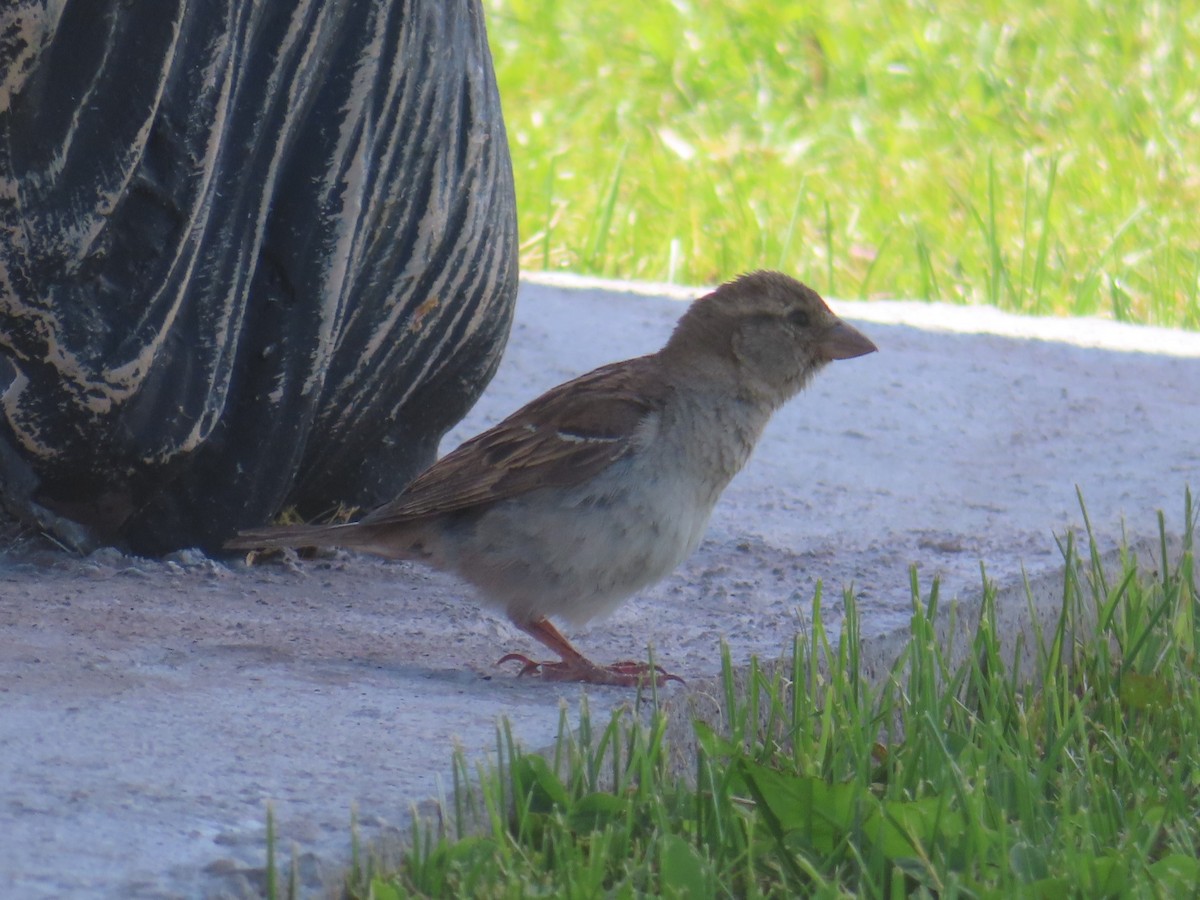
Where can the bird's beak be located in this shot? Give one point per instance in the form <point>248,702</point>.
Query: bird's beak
<point>843,341</point>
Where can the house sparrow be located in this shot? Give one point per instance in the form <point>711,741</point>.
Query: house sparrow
<point>604,484</point>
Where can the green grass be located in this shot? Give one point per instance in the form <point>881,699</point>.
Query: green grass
<point>1078,775</point>
<point>1042,158</point>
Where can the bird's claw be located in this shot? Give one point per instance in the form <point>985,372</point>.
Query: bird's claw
<point>627,673</point>
<point>528,666</point>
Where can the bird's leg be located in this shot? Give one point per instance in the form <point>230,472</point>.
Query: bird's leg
<point>574,666</point>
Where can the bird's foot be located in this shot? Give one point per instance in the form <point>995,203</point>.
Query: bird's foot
<point>627,673</point>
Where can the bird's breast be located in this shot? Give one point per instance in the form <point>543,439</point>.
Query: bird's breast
<point>577,552</point>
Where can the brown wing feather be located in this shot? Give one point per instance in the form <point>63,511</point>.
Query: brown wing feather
<point>565,436</point>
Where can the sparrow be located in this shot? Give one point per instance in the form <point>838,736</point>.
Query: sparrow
<point>604,484</point>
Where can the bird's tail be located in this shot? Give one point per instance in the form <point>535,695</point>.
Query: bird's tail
<point>393,540</point>
<point>297,536</point>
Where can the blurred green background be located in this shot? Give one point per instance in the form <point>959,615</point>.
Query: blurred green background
<point>1041,158</point>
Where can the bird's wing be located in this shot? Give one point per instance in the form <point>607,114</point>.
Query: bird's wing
<point>564,437</point>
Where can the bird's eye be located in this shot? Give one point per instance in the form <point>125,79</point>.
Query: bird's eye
<point>799,318</point>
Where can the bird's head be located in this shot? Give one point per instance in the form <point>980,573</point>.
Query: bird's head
<point>774,331</point>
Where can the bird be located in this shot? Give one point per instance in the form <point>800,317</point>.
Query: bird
<point>604,484</point>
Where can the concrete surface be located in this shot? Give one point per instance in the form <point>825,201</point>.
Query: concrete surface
<point>152,709</point>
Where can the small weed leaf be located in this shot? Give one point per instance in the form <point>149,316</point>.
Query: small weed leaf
<point>683,872</point>
<point>715,746</point>
<point>797,805</point>
<point>1144,693</point>
<point>904,828</point>
<point>1177,874</point>
<point>596,812</point>
<point>384,890</point>
<point>1050,889</point>
<point>822,815</point>
<point>534,780</point>
<point>470,853</point>
<point>1108,876</point>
